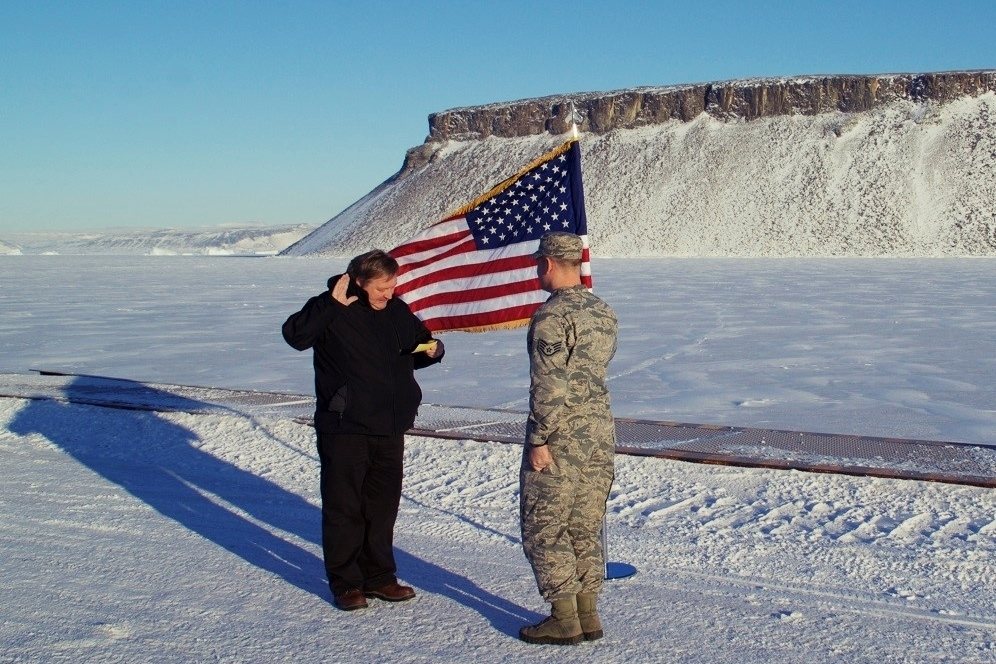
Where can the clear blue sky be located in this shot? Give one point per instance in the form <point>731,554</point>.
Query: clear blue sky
<point>193,114</point>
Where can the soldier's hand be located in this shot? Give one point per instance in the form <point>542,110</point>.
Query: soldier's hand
<point>339,291</point>
<point>540,458</point>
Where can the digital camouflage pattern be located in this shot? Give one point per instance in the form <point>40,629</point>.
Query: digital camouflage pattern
<point>565,246</point>
<point>571,339</point>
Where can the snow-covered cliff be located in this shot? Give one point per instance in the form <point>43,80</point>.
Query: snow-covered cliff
<point>899,165</point>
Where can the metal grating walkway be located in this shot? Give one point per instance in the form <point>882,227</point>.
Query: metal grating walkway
<point>956,463</point>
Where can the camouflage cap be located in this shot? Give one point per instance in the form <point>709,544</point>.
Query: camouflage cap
<point>565,246</point>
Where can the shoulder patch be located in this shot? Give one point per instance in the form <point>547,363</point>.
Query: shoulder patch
<point>548,348</point>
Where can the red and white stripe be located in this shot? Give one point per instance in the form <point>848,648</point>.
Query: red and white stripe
<point>452,285</point>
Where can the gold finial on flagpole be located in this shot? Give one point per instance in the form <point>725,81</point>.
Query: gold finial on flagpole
<point>575,118</point>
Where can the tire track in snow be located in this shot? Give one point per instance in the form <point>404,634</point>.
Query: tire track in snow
<point>641,366</point>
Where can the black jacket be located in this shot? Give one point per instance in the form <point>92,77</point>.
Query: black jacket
<point>364,365</point>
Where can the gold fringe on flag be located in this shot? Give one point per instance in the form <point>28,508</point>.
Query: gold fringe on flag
<point>507,325</point>
<point>505,184</point>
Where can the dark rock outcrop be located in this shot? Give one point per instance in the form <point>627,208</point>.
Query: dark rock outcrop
<point>748,99</point>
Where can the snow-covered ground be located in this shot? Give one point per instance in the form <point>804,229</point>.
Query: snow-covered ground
<point>130,536</point>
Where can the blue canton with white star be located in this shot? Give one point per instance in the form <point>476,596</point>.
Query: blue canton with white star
<point>539,202</point>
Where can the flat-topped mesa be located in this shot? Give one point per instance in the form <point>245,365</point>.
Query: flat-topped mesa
<point>849,165</point>
<point>749,99</point>
<point>601,112</point>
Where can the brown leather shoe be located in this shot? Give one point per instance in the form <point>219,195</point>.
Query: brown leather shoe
<point>392,592</point>
<point>351,600</point>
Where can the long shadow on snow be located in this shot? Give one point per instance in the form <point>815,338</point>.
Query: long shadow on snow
<point>505,616</point>
<point>159,463</point>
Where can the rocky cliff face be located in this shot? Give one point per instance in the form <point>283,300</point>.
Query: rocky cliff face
<point>841,165</point>
<point>601,113</point>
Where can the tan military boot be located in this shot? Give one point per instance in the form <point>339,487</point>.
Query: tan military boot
<point>562,627</point>
<point>591,625</point>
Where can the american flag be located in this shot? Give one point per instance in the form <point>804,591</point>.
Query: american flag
<point>474,271</point>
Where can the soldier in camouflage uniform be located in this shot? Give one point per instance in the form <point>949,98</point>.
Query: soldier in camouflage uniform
<point>567,465</point>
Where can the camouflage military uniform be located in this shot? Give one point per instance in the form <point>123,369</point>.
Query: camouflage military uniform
<point>571,339</point>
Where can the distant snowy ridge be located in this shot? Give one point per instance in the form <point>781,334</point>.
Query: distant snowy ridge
<point>914,174</point>
<point>224,241</point>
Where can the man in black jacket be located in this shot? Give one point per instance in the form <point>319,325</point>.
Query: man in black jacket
<point>366,346</point>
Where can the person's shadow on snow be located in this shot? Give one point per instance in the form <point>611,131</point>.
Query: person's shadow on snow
<point>505,616</point>
<point>160,463</point>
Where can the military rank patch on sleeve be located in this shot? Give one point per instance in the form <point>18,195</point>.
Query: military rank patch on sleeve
<point>549,348</point>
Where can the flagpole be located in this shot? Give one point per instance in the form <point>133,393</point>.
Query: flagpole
<point>613,570</point>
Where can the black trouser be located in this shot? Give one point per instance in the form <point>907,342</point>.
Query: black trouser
<point>361,490</point>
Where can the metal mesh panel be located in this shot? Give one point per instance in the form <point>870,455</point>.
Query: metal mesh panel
<point>821,452</point>
<point>474,423</point>
<point>840,453</point>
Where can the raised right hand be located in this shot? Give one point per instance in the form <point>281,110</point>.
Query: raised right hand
<point>339,291</point>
